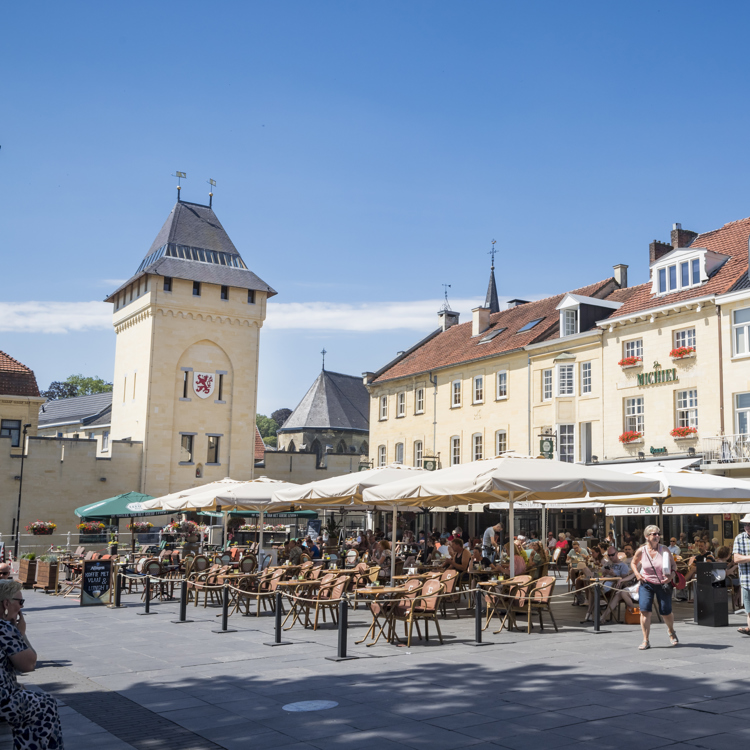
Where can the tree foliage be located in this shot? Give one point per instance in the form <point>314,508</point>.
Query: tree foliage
<point>266,426</point>
<point>280,416</point>
<point>76,385</point>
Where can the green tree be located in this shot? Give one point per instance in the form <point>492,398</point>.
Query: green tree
<point>76,385</point>
<point>266,426</point>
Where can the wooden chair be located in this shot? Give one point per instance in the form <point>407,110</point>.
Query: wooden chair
<point>225,558</point>
<point>519,602</point>
<point>499,601</point>
<point>79,552</point>
<point>449,579</point>
<point>200,564</point>
<point>327,599</point>
<point>384,609</point>
<point>305,558</point>
<point>538,600</point>
<point>352,558</point>
<point>368,575</point>
<point>422,607</point>
<point>206,582</point>
<point>306,568</point>
<point>247,564</point>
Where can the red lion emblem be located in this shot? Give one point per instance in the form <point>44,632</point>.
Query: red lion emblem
<point>203,383</point>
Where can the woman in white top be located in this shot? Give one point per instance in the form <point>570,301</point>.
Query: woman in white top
<point>654,566</point>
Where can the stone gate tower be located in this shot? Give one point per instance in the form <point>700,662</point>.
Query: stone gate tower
<point>186,366</point>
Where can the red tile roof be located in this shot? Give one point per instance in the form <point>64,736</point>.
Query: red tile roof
<point>732,240</point>
<point>456,345</point>
<point>16,379</point>
<point>260,446</point>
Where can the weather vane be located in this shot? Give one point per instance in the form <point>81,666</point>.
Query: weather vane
<point>212,183</point>
<point>492,253</point>
<point>324,352</point>
<point>446,304</point>
<point>179,176</point>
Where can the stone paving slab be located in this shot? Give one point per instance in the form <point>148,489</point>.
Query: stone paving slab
<point>144,682</point>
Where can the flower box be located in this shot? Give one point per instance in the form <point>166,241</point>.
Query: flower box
<point>630,437</point>
<point>682,352</point>
<point>27,572</point>
<point>91,527</point>
<point>627,362</point>
<point>42,528</point>
<point>684,433</point>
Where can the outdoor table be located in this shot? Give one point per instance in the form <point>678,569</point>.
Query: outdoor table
<point>378,592</point>
<point>297,607</point>
<point>474,579</point>
<point>503,584</point>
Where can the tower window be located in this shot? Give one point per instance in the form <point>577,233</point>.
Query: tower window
<point>213,449</point>
<point>221,388</point>
<point>186,449</point>
<point>167,283</point>
<point>184,384</point>
<point>196,289</point>
<point>225,292</point>
<point>251,296</point>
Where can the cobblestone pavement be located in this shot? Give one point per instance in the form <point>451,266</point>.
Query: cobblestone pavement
<point>127,681</point>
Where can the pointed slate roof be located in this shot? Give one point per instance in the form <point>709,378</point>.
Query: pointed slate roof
<point>491,300</point>
<point>192,244</point>
<point>334,402</point>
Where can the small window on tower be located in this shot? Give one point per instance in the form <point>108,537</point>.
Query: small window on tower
<point>251,296</point>
<point>167,283</point>
<point>213,450</point>
<point>186,448</point>
<point>196,289</point>
<point>184,384</point>
<point>225,292</point>
<point>221,388</point>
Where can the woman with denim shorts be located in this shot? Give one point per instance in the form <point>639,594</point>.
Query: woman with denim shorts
<point>655,568</point>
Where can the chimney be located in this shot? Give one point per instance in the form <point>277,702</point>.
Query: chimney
<point>448,318</point>
<point>621,275</point>
<point>682,237</point>
<point>480,320</point>
<point>657,249</point>
<point>517,303</point>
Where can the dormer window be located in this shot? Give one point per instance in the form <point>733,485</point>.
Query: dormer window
<point>578,313</point>
<point>684,268</point>
<point>569,322</point>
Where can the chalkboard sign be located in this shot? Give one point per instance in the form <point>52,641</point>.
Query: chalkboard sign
<point>313,529</point>
<point>728,529</point>
<point>96,582</point>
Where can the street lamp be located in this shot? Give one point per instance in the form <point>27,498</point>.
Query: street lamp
<point>20,487</point>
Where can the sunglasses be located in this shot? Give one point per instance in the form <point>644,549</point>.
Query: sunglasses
<point>656,533</point>
<point>20,601</point>
<point>610,554</point>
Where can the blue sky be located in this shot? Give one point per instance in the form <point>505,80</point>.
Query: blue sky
<point>365,154</point>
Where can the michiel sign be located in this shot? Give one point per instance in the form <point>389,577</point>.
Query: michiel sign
<point>658,376</point>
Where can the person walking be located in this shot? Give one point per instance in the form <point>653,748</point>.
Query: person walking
<point>654,566</point>
<point>741,555</point>
<point>491,541</point>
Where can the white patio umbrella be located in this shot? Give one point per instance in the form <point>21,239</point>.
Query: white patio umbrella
<point>508,479</point>
<point>192,498</point>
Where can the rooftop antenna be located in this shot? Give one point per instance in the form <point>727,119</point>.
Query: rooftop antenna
<point>446,304</point>
<point>492,253</point>
<point>324,352</point>
<point>179,176</point>
<point>212,183</point>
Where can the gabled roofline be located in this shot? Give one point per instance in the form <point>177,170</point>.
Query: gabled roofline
<point>405,354</point>
<point>729,297</point>
<point>674,307</point>
<point>595,301</point>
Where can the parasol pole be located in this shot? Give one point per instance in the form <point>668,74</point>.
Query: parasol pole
<point>660,500</point>
<point>260,537</point>
<point>393,543</point>
<point>511,540</point>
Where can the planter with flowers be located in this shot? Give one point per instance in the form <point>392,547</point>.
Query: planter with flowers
<point>46,573</point>
<point>140,527</point>
<point>627,362</point>
<point>684,433</point>
<point>27,569</point>
<point>91,527</point>
<point>682,352</point>
<point>188,528</point>
<point>42,528</point>
<point>631,436</point>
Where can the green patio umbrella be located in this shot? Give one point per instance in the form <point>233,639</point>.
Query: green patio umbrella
<point>127,505</point>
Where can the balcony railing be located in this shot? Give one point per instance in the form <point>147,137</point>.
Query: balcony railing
<point>726,449</point>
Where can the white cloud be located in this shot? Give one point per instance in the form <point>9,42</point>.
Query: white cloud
<point>54,317</point>
<point>417,315</point>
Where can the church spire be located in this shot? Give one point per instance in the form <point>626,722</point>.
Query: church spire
<point>491,301</point>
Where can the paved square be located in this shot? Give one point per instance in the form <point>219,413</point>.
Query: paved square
<point>143,682</point>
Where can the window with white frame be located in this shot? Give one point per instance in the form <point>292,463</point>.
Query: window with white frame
<point>741,331</point>
<point>633,348</point>
<point>381,455</point>
<point>384,407</point>
<point>478,389</point>
<point>566,380</point>
<point>399,453</point>
<point>634,414</point>
<point>546,385</point>
<point>570,322</point>
<point>401,404</point>
<point>567,440</point>
<point>501,442</point>
<point>585,378</point>
<point>687,408</point>
<point>742,413</point>
<point>685,338</point>
<point>105,440</point>
<point>477,446</point>
<point>418,453</point>
<point>455,394</point>
<point>502,384</point>
<point>455,450</point>
<point>419,401</point>
<point>681,275</point>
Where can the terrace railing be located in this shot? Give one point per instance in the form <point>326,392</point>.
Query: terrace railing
<point>726,449</point>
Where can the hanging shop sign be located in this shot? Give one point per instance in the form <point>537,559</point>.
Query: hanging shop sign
<point>658,376</point>
<point>429,464</point>
<point>547,446</point>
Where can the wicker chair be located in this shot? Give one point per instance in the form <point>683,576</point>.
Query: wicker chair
<point>422,607</point>
<point>449,579</point>
<point>537,599</point>
<point>327,599</point>
<point>248,563</point>
<point>497,603</point>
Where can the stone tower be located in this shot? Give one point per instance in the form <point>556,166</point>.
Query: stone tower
<point>186,365</point>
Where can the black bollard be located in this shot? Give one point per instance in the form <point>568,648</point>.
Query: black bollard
<point>277,625</point>
<point>478,606</point>
<point>597,614</point>
<point>343,625</point>
<point>147,608</point>
<point>117,604</point>
<point>225,613</point>
<point>183,603</point>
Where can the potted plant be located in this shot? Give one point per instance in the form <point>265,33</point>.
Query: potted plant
<point>91,527</point>
<point>680,352</point>
<point>46,572</point>
<point>27,569</point>
<point>633,361</point>
<point>42,528</point>
<point>630,436</point>
<point>683,433</point>
<point>140,527</point>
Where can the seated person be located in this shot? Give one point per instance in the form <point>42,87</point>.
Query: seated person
<point>460,557</point>
<point>629,552</point>
<point>611,568</point>
<point>477,558</point>
<point>536,561</point>
<point>519,562</point>
<point>629,595</point>
<point>295,552</point>
<point>674,548</point>
<point>701,555</point>
<point>575,556</point>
